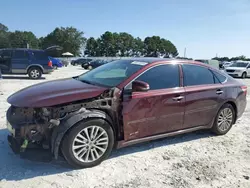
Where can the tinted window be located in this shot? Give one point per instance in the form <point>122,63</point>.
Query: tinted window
<point>40,55</point>
<point>161,77</point>
<point>220,77</point>
<point>239,64</point>
<point>5,53</point>
<point>197,75</point>
<point>20,54</point>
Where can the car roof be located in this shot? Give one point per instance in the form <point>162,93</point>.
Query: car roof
<point>151,60</point>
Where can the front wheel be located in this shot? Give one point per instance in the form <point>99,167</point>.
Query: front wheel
<point>88,143</point>
<point>244,75</point>
<point>35,73</point>
<point>224,120</point>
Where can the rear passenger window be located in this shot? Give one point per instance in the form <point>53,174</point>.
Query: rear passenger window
<point>197,75</point>
<point>6,54</point>
<point>40,55</point>
<point>161,77</point>
<point>220,77</point>
<point>20,54</point>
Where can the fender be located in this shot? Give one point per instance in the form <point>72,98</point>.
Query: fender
<point>59,131</point>
<point>35,65</point>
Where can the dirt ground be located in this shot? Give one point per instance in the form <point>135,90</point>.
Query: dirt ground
<point>198,160</point>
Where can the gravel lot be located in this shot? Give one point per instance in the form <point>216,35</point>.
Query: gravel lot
<point>193,160</point>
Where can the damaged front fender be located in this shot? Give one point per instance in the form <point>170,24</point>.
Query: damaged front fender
<point>59,131</point>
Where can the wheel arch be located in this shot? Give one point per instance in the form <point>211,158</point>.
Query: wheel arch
<point>35,65</point>
<point>67,124</point>
<point>235,108</point>
<point>233,103</point>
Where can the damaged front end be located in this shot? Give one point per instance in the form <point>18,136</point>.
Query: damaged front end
<point>30,127</point>
<point>44,128</point>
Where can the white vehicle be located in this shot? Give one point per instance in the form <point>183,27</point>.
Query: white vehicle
<point>239,69</point>
<point>226,64</point>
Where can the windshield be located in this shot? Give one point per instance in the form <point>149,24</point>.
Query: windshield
<point>239,64</point>
<point>112,74</point>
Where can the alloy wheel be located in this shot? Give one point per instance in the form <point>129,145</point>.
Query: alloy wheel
<point>225,119</point>
<point>34,73</point>
<point>90,144</point>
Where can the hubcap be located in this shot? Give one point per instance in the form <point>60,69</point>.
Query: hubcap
<point>34,73</point>
<point>225,119</point>
<point>90,144</point>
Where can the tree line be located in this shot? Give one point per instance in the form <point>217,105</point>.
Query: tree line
<point>123,44</point>
<point>242,57</point>
<point>73,40</point>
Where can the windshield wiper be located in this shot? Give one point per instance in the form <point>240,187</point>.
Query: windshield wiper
<point>87,82</point>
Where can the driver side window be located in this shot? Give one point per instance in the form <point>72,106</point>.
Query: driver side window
<point>162,77</point>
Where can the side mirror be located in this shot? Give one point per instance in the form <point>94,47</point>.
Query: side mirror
<point>140,86</point>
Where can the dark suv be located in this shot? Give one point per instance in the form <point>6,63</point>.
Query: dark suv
<point>25,61</point>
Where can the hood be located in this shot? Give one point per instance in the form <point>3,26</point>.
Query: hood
<point>235,68</point>
<point>53,93</point>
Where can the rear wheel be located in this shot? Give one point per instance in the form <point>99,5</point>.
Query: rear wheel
<point>224,120</point>
<point>244,75</point>
<point>88,143</point>
<point>35,73</point>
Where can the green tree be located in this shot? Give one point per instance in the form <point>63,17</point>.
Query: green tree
<point>20,39</point>
<point>156,46</point>
<point>4,36</point>
<point>69,38</point>
<point>124,43</point>
<point>107,44</point>
<point>92,47</point>
<point>138,47</point>
<point>3,28</point>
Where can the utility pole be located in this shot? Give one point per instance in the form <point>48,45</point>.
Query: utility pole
<point>28,46</point>
<point>185,52</point>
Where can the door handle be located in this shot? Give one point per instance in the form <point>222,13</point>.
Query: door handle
<point>178,98</point>
<point>219,92</point>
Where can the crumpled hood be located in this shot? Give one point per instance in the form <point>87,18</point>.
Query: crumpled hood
<point>53,93</point>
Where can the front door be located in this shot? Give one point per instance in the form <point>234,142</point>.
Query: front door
<point>20,61</point>
<point>159,110</point>
<point>204,93</point>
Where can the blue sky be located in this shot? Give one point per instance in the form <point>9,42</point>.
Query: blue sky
<point>204,27</point>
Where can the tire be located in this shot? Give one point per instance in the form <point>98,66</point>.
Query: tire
<point>35,73</point>
<point>244,75</point>
<point>73,157</point>
<point>220,128</point>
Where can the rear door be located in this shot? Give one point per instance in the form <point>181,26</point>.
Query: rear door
<point>204,94</point>
<point>5,61</point>
<point>20,61</point>
<point>40,57</point>
<point>159,110</point>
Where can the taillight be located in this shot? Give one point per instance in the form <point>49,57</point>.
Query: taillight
<point>50,63</point>
<point>244,89</point>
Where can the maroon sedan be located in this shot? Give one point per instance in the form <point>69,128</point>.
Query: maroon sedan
<point>122,103</point>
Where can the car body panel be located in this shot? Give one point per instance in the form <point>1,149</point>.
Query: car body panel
<point>153,112</point>
<point>54,93</point>
<point>202,104</point>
